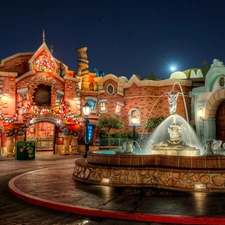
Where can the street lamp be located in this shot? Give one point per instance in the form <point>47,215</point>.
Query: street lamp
<point>86,110</point>
<point>134,121</point>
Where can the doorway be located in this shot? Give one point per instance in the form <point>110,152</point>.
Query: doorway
<point>220,122</point>
<point>42,134</point>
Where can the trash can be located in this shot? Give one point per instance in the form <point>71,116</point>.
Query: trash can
<point>25,150</point>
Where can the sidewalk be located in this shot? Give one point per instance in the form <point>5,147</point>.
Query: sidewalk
<point>54,188</point>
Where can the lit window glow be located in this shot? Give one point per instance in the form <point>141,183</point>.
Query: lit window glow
<point>118,108</point>
<point>102,106</point>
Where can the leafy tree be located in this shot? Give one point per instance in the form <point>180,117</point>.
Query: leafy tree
<point>205,68</point>
<point>109,123</point>
<point>154,122</point>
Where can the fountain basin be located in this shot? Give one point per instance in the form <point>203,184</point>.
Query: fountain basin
<point>194,173</point>
<point>189,152</point>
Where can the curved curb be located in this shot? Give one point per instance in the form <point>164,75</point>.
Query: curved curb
<point>144,217</point>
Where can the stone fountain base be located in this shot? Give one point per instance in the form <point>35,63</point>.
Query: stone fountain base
<point>190,152</point>
<point>183,173</point>
<point>173,149</point>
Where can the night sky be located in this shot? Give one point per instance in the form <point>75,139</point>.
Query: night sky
<point>123,37</point>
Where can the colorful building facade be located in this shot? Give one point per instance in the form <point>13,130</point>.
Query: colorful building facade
<point>41,101</point>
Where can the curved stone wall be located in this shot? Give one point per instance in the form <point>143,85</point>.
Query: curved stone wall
<point>165,172</point>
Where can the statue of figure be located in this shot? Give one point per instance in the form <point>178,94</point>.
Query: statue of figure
<point>216,146</point>
<point>175,134</point>
<point>128,146</point>
<point>211,147</point>
<point>207,150</point>
<point>173,102</point>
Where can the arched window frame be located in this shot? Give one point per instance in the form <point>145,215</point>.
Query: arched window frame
<point>134,112</point>
<point>93,104</point>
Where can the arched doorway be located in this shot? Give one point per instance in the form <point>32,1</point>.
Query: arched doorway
<point>220,122</point>
<point>42,133</point>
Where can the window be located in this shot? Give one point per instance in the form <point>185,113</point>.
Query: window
<point>222,81</point>
<point>110,89</point>
<point>102,106</point>
<point>134,112</point>
<point>59,97</point>
<point>118,108</point>
<point>91,103</point>
<point>42,95</point>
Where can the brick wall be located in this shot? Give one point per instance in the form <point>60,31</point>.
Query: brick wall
<point>151,101</point>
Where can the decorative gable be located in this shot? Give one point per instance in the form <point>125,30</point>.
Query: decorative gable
<point>43,61</point>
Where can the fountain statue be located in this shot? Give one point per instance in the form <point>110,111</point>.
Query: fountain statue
<point>178,138</point>
<point>172,99</point>
<point>174,136</point>
<point>128,146</point>
<point>175,133</point>
<point>212,147</point>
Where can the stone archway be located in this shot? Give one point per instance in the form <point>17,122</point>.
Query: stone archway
<point>213,103</point>
<point>209,117</point>
<point>68,147</point>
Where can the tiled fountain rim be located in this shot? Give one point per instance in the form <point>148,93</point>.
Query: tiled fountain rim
<point>191,162</point>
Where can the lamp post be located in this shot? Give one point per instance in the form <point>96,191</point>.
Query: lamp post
<point>134,121</point>
<point>86,110</point>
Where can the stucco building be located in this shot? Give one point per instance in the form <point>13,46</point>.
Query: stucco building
<point>41,101</point>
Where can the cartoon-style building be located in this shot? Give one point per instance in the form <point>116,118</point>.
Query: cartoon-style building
<point>41,100</point>
<point>208,103</point>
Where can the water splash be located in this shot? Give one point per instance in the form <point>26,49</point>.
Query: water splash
<point>161,135</point>
<point>139,147</point>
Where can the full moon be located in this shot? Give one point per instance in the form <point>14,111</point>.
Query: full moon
<point>172,68</point>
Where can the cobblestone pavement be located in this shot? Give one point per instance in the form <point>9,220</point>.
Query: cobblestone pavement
<point>14,211</point>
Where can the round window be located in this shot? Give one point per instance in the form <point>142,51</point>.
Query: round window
<point>110,89</point>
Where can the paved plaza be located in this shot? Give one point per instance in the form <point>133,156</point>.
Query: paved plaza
<point>42,191</point>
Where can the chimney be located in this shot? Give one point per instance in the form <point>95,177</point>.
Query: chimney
<point>51,49</point>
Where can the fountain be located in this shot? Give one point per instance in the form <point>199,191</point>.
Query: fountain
<point>174,136</point>
<point>172,159</point>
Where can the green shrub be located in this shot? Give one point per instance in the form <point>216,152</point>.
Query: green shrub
<point>130,134</point>
<point>117,135</point>
<point>154,122</point>
<point>124,135</point>
<point>103,133</point>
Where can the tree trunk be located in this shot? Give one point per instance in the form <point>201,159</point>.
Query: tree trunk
<point>109,141</point>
